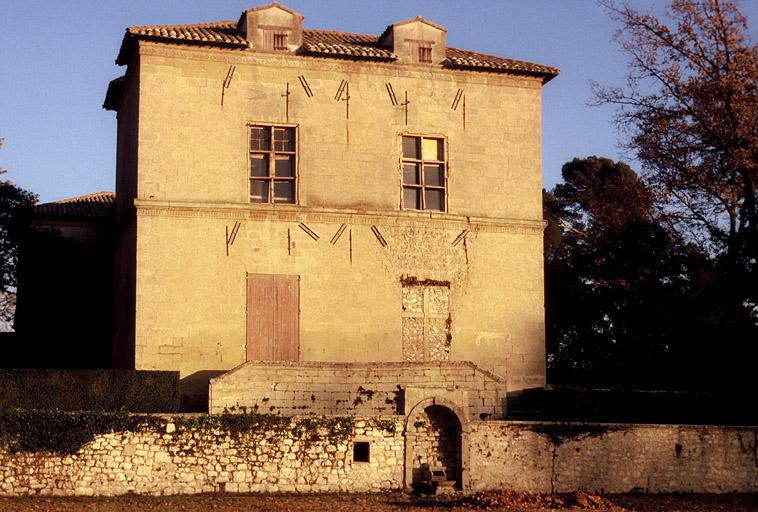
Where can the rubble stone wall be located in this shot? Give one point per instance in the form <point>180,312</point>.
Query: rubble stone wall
<point>613,458</point>
<point>536,457</point>
<point>201,461</point>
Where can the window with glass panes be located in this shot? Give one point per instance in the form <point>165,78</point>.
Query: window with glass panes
<point>273,160</point>
<point>424,179</point>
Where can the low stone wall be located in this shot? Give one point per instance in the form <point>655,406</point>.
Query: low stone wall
<point>198,460</point>
<point>308,457</point>
<point>350,388</point>
<point>613,458</point>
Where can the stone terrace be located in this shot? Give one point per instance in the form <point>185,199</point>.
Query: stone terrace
<point>373,389</point>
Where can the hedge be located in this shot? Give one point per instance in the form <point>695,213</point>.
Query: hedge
<point>93,390</point>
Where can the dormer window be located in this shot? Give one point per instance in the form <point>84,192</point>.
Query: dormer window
<point>272,28</point>
<point>419,51</point>
<point>275,38</point>
<point>425,54</point>
<point>415,41</point>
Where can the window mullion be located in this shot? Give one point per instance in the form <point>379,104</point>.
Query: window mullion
<point>271,171</point>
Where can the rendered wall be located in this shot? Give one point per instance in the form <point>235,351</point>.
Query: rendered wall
<point>124,260</point>
<point>192,148</point>
<point>191,304</point>
<point>193,185</point>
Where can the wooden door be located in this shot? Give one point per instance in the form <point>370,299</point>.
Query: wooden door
<point>273,317</point>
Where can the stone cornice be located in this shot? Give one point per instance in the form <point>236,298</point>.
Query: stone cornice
<point>296,214</point>
<point>243,56</point>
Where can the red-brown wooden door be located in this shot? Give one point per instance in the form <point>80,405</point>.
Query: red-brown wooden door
<point>273,317</point>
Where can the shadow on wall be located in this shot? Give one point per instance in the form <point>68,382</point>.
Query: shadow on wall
<point>581,404</point>
<point>193,390</point>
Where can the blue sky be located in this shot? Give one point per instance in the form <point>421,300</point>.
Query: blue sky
<point>56,58</point>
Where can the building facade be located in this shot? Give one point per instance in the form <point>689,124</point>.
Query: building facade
<point>296,195</point>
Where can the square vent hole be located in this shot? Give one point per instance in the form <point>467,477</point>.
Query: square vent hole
<point>361,451</point>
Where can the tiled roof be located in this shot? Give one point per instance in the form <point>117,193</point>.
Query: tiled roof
<point>94,205</point>
<point>344,44</point>
<point>465,59</point>
<point>322,43</point>
<point>223,33</point>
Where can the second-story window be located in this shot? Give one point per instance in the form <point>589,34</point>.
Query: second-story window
<point>424,176</point>
<point>273,162</point>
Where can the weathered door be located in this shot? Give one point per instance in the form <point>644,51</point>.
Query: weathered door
<point>273,317</point>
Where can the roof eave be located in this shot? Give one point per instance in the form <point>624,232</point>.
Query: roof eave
<point>306,52</point>
<point>127,48</point>
<point>113,93</point>
<point>544,75</point>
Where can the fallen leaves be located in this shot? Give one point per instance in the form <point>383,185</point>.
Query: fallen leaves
<point>503,501</point>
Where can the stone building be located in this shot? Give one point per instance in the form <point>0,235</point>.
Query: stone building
<point>355,216</point>
<point>65,269</point>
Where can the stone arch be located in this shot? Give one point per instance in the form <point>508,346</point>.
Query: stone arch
<point>436,433</point>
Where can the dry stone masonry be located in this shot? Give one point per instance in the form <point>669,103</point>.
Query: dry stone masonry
<point>371,456</point>
<point>197,460</point>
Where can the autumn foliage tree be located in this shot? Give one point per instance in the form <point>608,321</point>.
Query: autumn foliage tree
<point>690,110</point>
<point>688,113</point>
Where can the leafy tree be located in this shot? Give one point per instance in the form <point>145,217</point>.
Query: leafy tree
<point>688,112</point>
<point>628,301</point>
<point>16,206</point>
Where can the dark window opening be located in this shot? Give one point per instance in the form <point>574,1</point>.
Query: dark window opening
<point>361,451</point>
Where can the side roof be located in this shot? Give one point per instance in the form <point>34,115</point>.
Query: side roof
<point>322,43</point>
<point>91,206</point>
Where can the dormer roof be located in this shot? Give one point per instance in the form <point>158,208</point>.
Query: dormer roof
<point>269,6</point>
<point>420,19</point>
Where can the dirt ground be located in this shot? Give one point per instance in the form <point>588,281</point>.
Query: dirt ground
<point>502,501</point>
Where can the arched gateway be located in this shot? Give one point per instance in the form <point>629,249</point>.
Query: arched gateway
<point>436,442</point>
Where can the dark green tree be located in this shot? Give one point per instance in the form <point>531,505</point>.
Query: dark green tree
<point>617,281</point>
<point>16,205</point>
